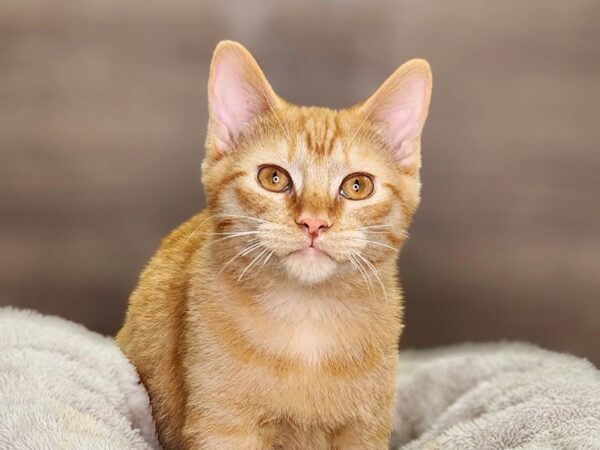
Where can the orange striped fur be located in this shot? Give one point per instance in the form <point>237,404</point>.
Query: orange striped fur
<point>246,341</point>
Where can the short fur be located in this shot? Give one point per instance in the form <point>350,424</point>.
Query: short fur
<point>250,341</point>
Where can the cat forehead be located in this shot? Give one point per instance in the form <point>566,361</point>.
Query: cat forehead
<point>317,135</point>
<point>321,133</point>
<point>318,144</point>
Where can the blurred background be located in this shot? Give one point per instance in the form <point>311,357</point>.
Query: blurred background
<point>102,126</point>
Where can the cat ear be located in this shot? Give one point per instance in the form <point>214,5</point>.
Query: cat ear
<point>398,109</point>
<point>238,93</point>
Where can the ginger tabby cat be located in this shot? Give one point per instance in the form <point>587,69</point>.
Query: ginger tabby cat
<point>271,320</point>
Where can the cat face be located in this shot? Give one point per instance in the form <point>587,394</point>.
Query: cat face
<point>310,194</point>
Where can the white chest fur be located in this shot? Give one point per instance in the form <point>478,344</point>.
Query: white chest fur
<point>301,324</point>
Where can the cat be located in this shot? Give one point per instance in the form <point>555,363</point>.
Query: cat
<point>271,319</point>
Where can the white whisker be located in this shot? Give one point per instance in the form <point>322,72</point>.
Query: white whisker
<point>241,234</point>
<point>245,251</point>
<point>239,216</point>
<point>393,229</point>
<point>231,237</point>
<point>196,229</point>
<point>353,263</point>
<point>234,233</point>
<point>375,272</point>
<point>377,243</point>
<point>256,258</point>
<point>377,232</point>
<point>267,258</point>
<point>223,215</point>
<point>364,275</point>
<point>376,226</point>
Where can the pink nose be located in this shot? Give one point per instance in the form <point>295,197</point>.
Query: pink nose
<point>313,225</point>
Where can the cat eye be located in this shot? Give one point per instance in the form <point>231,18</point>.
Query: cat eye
<point>274,179</point>
<point>357,186</point>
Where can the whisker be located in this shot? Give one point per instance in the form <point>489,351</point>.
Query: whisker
<point>245,251</point>
<point>400,231</point>
<point>377,231</point>
<point>377,243</point>
<point>387,232</point>
<point>234,233</point>
<point>375,271</point>
<point>196,229</point>
<point>252,263</point>
<point>265,261</point>
<point>353,263</point>
<point>267,258</point>
<point>376,226</point>
<point>239,216</point>
<point>364,275</point>
<point>234,236</point>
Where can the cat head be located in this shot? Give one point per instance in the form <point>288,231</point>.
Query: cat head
<point>308,193</point>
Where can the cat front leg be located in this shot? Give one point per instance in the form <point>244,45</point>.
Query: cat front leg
<point>240,440</point>
<point>225,432</point>
<point>357,435</point>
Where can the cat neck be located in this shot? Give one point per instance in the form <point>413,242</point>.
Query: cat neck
<point>343,296</point>
<point>312,323</point>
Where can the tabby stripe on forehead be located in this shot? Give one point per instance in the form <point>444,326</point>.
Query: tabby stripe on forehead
<point>309,142</point>
<point>331,134</point>
<point>337,132</point>
<point>321,137</point>
<point>222,184</point>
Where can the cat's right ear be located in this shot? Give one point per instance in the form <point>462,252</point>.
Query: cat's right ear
<point>238,93</point>
<point>398,110</point>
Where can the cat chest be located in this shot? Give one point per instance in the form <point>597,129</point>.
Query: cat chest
<point>305,330</point>
<point>317,371</point>
<point>303,342</point>
<point>327,396</point>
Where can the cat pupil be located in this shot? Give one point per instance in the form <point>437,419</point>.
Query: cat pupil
<point>275,178</point>
<point>356,186</point>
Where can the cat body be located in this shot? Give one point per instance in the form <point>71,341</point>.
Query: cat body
<point>271,320</point>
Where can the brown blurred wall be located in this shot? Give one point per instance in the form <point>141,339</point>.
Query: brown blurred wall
<point>102,122</point>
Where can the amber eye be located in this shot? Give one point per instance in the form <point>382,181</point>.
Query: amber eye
<point>274,179</point>
<point>357,186</point>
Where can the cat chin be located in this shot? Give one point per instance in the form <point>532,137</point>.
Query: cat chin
<point>309,267</point>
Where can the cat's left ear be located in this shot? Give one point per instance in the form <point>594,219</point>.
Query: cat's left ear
<point>398,110</point>
<point>238,93</point>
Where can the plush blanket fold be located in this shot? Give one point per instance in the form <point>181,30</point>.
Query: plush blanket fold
<point>496,396</point>
<point>64,387</point>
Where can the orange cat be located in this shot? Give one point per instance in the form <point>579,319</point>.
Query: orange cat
<point>271,320</point>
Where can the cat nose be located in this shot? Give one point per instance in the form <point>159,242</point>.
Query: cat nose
<point>313,225</point>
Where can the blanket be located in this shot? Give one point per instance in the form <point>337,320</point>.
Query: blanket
<point>496,396</point>
<point>64,387</point>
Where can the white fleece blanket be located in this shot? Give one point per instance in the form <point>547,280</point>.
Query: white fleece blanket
<point>64,387</point>
<point>496,396</point>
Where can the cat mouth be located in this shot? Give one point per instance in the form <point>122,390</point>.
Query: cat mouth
<point>310,252</point>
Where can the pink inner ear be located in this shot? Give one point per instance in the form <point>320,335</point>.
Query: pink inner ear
<point>399,116</point>
<point>233,102</point>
